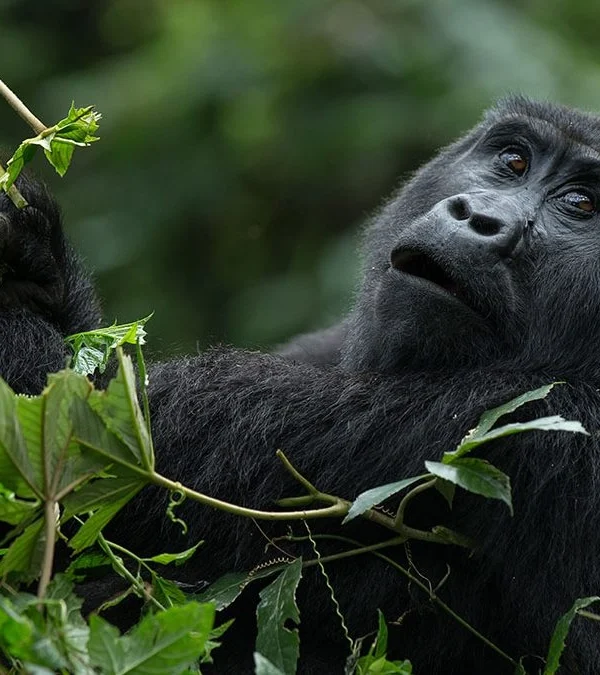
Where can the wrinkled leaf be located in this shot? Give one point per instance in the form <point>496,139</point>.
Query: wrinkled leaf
<point>475,475</point>
<point>93,349</point>
<point>374,496</point>
<point>277,605</point>
<point>167,642</point>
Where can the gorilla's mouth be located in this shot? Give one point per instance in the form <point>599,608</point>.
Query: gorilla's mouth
<point>422,266</point>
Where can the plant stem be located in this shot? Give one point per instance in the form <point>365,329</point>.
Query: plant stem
<point>21,109</point>
<point>13,194</point>
<point>399,518</point>
<point>50,541</point>
<point>432,596</point>
<point>120,568</point>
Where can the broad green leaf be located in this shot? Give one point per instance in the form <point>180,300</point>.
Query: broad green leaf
<point>25,554</point>
<point>374,496</point>
<point>14,510</point>
<point>277,605</point>
<point>16,631</point>
<point>93,349</point>
<point>120,411</point>
<point>167,642</point>
<point>225,590</point>
<point>90,431</point>
<point>16,469</point>
<point>558,641</point>
<point>89,531</point>
<point>86,561</point>
<point>99,493</point>
<point>553,423</point>
<point>369,665</point>
<point>263,666</point>
<point>167,592</point>
<point>65,626</point>
<point>475,475</point>
<point>105,646</point>
<point>177,558</point>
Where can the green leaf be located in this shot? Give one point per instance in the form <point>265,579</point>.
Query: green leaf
<point>167,642</point>
<point>263,666</point>
<point>475,475</point>
<point>99,493</point>
<point>553,423</point>
<point>225,590</point>
<point>89,531</point>
<point>446,489</point>
<point>370,498</point>
<point>93,349</point>
<point>381,640</point>
<point>14,510</point>
<point>25,554</point>
<point>558,641</point>
<point>277,605</point>
<point>167,592</point>
<point>177,558</point>
<point>490,417</point>
<point>86,561</point>
<point>119,409</point>
<point>58,142</point>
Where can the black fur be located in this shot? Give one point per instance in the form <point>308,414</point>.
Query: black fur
<point>400,381</point>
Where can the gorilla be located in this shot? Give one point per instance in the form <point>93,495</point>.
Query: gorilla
<point>481,281</point>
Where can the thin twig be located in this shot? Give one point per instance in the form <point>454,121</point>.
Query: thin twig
<point>21,109</point>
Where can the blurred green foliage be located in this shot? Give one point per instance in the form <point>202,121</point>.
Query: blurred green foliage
<point>245,141</point>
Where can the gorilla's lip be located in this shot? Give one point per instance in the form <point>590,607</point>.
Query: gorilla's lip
<point>423,266</point>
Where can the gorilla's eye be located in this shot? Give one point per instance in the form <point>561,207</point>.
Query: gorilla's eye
<point>515,160</point>
<point>580,200</point>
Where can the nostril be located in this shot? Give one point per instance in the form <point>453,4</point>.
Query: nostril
<point>459,208</point>
<point>485,225</point>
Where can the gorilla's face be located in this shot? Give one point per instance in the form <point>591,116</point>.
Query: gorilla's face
<point>491,253</point>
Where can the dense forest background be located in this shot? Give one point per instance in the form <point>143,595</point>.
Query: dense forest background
<point>245,142</point>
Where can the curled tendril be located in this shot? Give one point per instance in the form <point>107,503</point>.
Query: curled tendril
<point>176,499</point>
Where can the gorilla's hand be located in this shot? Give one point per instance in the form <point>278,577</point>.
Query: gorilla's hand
<point>32,256</point>
<point>39,271</point>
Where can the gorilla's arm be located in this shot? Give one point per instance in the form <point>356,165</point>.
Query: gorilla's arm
<point>45,294</point>
<point>219,418</point>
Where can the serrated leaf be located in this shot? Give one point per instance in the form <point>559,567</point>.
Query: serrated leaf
<point>119,409</point>
<point>277,605</point>
<point>167,642</point>
<point>374,496</point>
<point>57,141</point>
<point>475,475</point>
<point>177,558</point>
<point>93,349</point>
<point>558,641</point>
<point>86,561</point>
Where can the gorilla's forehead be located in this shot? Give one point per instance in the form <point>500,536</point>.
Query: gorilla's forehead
<point>574,126</point>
